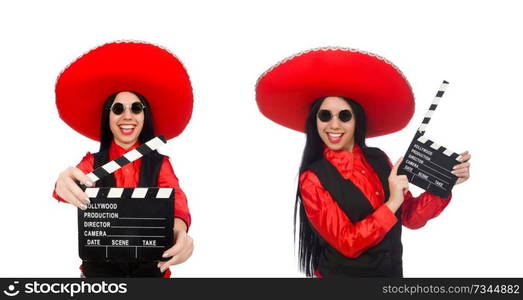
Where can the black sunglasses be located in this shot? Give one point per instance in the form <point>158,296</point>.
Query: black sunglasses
<point>118,108</point>
<point>325,115</point>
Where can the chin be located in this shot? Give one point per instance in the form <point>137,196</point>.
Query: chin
<point>337,146</point>
<point>128,140</point>
<point>334,147</point>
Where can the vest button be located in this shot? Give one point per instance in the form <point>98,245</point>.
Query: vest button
<point>363,171</point>
<point>377,193</point>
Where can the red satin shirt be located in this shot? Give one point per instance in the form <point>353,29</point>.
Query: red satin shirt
<point>329,220</point>
<point>129,175</point>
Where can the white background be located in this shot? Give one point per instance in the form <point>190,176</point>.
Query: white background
<point>238,169</point>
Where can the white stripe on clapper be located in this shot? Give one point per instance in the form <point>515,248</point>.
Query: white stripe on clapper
<point>132,155</point>
<point>115,193</point>
<point>111,166</point>
<point>139,193</point>
<point>155,143</point>
<point>92,192</point>
<point>164,192</point>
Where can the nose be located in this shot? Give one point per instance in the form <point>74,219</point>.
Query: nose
<point>334,123</point>
<point>127,114</point>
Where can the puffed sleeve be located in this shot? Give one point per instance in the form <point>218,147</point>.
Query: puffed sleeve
<point>329,220</point>
<point>167,178</point>
<point>416,211</point>
<point>85,165</point>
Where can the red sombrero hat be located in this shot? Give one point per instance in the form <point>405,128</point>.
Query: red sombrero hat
<point>149,70</point>
<point>285,92</point>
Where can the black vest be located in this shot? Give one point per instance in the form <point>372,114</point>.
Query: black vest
<point>382,260</point>
<point>149,170</point>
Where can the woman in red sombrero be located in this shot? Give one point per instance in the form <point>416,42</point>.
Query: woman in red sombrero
<point>124,94</point>
<point>351,201</point>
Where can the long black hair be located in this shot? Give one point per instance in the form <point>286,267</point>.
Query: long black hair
<point>309,243</point>
<point>106,135</point>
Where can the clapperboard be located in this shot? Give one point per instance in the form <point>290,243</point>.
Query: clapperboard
<point>126,224</point>
<point>428,164</point>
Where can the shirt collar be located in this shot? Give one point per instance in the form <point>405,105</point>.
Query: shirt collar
<point>343,160</point>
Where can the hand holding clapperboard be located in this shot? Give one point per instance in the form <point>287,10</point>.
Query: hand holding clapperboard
<point>126,224</point>
<point>427,164</point>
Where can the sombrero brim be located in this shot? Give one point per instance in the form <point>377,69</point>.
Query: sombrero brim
<point>286,91</point>
<point>149,70</point>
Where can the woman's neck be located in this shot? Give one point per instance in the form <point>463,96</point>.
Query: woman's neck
<point>349,147</point>
<point>124,145</point>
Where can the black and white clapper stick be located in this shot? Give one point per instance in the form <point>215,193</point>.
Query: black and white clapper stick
<point>427,164</point>
<point>128,157</point>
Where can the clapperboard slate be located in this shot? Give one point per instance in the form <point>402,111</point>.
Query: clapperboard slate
<point>126,224</point>
<point>428,164</point>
